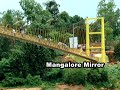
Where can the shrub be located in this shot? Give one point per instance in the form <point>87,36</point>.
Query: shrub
<point>75,76</point>
<point>97,76</point>
<point>113,75</point>
<point>33,80</point>
<point>89,86</point>
<point>117,52</point>
<point>13,81</point>
<point>48,86</point>
<point>55,74</point>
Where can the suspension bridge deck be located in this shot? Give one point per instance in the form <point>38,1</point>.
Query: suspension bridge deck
<point>42,42</point>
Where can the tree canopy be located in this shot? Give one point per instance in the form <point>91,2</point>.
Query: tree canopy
<point>22,62</point>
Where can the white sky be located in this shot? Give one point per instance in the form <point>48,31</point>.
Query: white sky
<point>83,8</point>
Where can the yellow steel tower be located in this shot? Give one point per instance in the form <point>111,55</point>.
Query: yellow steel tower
<point>88,33</point>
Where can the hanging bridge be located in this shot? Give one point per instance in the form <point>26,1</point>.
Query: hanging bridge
<point>59,39</point>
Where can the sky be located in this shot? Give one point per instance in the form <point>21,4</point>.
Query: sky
<point>83,8</point>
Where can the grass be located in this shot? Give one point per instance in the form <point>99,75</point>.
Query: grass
<point>90,87</point>
<point>44,86</point>
<point>48,86</point>
<point>77,59</point>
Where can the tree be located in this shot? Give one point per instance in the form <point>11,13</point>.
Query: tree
<point>64,20</point>
<point>117,51</point>
<point>31,9</point>
<point>5,46</point>
<point>96,27</point>
<point>108,35</point>
<point>12,64</point>
<point>35,15</point>
<point>111,14</point>
<point>18,17</point>
<point>7,19</point>
<point>13,19</point>
<point>65,16</point>
<point>52,7</point>
<point>76,19</point>
<point>0,21</point>
<point>26,59</point>
<point>35,58</point>
<point>78,23</point>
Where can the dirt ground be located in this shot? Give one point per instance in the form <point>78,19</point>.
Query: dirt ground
<point>58,87</point>
<point>66,87</point>
<point>23,89</point>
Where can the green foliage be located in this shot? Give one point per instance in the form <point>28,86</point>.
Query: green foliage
<point>65,16</point>
<point>13,64</point>
<point>108,34</point>
<point>54,75</point>
<point>46,18</point>
<point>16,61</point>
<point>52,7</point>
<point>4,47</point>
<point>113,43</point>
<point>31,9</point>
<point>116,40</point>
<point>18,21</point>
<point>10,80</point>
<point>36,16</point>
<point>117,52</point>
<point>89,86</point>
<point>75,76</point>
<point>64,20</point>
<point>33,80</point>
<point>0,21</point>
<point>76,19</point>
<point>111,14</point>
<point>56,53</point>
<point>22,63</point>
<point>4,67</point>
<point>60,36</point>
<point>24,60</point>
<point>59,53</point>
<point>113,75</point>
<point>13,19</point>
<point>7,18</point>
<point>35,58</point>
<point>97,76</point>
<point>48,86</point>
<point>76,58</point>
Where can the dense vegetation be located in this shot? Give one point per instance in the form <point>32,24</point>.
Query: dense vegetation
<point>22,63</point>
